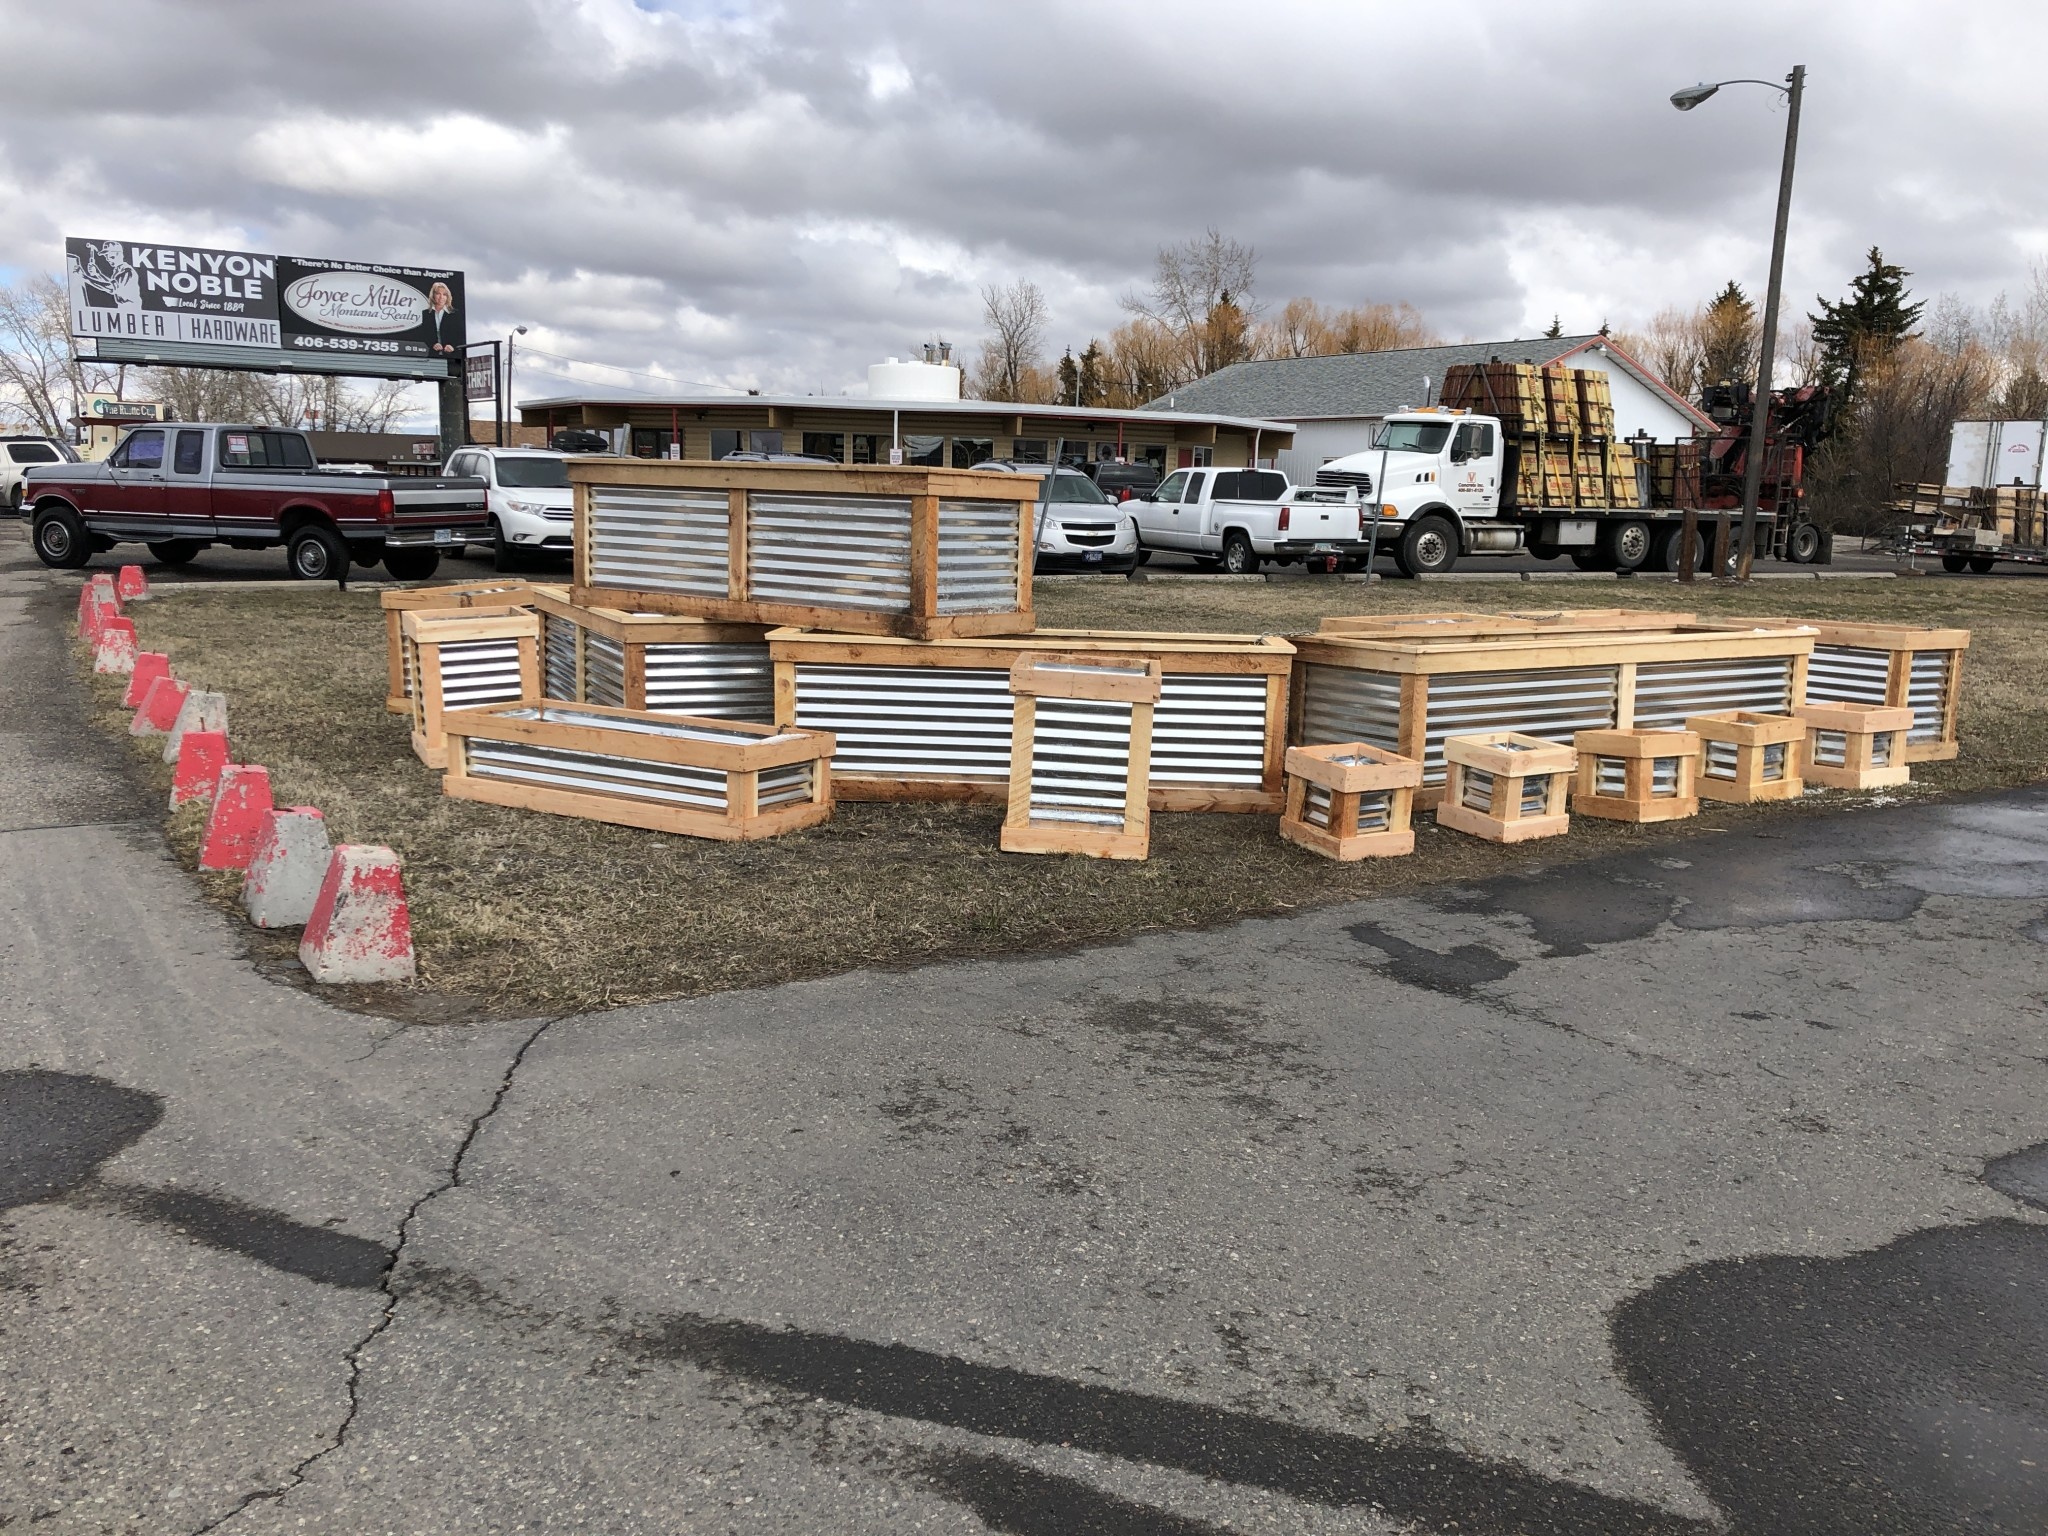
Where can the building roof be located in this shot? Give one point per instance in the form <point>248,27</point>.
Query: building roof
<point>1377,383</point>
<point>920,407</point>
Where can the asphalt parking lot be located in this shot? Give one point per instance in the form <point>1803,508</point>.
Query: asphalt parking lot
<point>1694,1189</point>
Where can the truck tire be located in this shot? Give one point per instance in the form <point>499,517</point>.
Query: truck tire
<point>1955,564</point>
<point>411,564</point>
<point>1144,555</point>
<point>316,553</point>
<point>505,554</point>
<point>1239,558</point>
<point>60,539</point>
<point>1628,544</point>
<point>1802,544</point>
<point>1592,559</point>
<point>1981,564</point>
<point>14,498</point>
<point>176,552</point>
<point>1428,548</point>
<point>1670,550</point>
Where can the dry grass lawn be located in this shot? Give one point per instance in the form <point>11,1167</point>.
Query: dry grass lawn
<point>518,914</point>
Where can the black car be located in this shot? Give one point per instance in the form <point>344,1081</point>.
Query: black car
<point>580,440</point>
<point>1122,482</point>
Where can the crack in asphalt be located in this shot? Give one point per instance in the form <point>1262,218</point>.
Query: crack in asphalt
<point>386,1316</point>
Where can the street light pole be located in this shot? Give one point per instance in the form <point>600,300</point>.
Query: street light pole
<point>1760,403</point>
<point>510,423</point>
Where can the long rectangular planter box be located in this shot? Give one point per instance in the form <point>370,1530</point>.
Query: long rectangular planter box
<point>930,720</point>
<point>1904,666</point>
<point>654,661</point>
<point>923,553</point>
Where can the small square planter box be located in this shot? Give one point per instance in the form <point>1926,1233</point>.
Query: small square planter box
<point>1747,757</point>
<point>668,773</point>
<point>1637,775</point>
<point>1350,801</point>
<point>461,658</point>
<point>1080,754</point>
<point>1506,787</point>
<point>1856,746</point>
<point>399,601</point>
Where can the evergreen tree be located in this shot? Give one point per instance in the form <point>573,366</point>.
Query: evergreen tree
<point>1728,337</point>
<point>1867,325</point>
<point>1556,329</point>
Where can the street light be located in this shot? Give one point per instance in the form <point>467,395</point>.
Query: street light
<point>1760,406</point>
<point>510,424</point>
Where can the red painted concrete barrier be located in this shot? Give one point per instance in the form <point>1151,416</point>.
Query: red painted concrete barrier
<point>288,868</point>
<point>158,711</point>
<point>201,757</point>
<point>149,666</point>
<point>360,929</point>
<point>131,584</point>
<point>241,806</point>
<point>113,648</point>
<point>201,711</point>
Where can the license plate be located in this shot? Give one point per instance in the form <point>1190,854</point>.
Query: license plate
<point>1092,557</point>
<point>444,535</point>
<point>1324,549</point>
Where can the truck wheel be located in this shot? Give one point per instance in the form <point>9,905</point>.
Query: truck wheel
<point>1239,558</point>
<point>1802,544</point>
<point>176,552</point>
<point>1428,548</point>
<point>1981,564</point>
<point>1955,565</point>
<point>1543,549</point>
<point>1628,544</point>
<point>411,564</point>
<point>1592,560</point>
<point>60,539</point>
<point>316,553</point>
<point>14,498</point>
<point>1670,554</point>
<point>505,554</point>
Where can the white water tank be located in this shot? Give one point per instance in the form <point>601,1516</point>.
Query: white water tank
<point>895,380</point>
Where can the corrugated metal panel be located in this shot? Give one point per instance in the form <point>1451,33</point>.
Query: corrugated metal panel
<point>830,551</point>
<point>1847,674</point>
<point>1209,729</point>
<point>1345,704</point>
<point>1718,760</point>
<point>1080,761</point>
<point>1927,693</point>
<point>1610,776</point>
<point>478,672</point>
<point>1830,749</point>
<point>558,656</point>
<point>604,671</point>
<point>1664,776</point>
<point>669,783</point>
<point>1315,805</point>
<point>1550,705</point>
<point>783,786</point>
<point>1668,691</point>
<point>725,682</point>
<point>660,540</point>
<point>979,556</point>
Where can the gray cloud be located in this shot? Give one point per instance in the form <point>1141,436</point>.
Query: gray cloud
<point>777,195</point>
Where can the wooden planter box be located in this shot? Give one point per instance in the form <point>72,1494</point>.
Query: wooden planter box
<point>1900,665</point>
<point>1411,692</point>
<point>1350,800</point>
<point>1856,746</point>
<point>697,778</point>
<point>1747,757</point>
<point>1638,776</point>
<point>1506,787</point>
<point>399,601</point>
<point>1080,750</point>
<point>924,553</point>
<point>654,661</point>
<point>463,658</point>
<point>930,720</point>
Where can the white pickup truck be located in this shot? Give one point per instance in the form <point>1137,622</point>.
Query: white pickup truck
<point>1240,518</point>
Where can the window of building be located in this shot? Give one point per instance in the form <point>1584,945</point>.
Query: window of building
<point>653,442</point>
<point>1204,456</point>
<point>1153,454</point>
<point>869,448</point>
<point>970,451</point>
<point>191,452</point>
<point>724,442</point>
<point>826,445</point>
<point>1029,450</point>
<point>765,442</point>
<point>921,449</point>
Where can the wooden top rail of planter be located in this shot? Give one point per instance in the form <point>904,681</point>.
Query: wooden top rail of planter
<point>930,554</point>
<point>1395,626</point>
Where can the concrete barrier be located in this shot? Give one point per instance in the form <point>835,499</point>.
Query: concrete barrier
<point>241,807</point>
<point>149,666</point>
<point>158,711</point>
<point>201,757</point>
<point>360,930</point>
<point>288,868</point>
<point>131,585</point>
<point>201,711</point>
<point>113,649</point>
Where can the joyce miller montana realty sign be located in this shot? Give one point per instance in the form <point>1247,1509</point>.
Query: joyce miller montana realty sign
<point>158,302</point>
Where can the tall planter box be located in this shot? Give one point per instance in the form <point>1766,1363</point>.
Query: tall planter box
<point>1747,757</point>
<point>698,778</point>
<point>924,553</point>
<point>1506,787</point>
<point>464,658</point>
<point>1900,666</point>
<point>399,601</point>
<point>1856,746</point>
<point>1638,776</point>
<point>1350,800</point>
<point>930,720</point>
<point>656,662</point>
<point>1411,692</point>
<point>1080,751</point>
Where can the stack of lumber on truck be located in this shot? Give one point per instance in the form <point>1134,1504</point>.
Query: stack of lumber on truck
<point>1559,426</point>
<point>2014,513</point>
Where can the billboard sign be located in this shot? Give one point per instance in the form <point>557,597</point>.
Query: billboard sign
<point>480,374</point>
<point>172,303</point>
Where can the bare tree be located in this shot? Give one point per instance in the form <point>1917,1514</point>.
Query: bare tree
<point>41,380</point>
<point>1204,294</point>
<point>1673,346</point>
<point>1305,328</point>
<point>1015,317</point>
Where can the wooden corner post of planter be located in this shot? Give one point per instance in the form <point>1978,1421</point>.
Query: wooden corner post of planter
<point>1350,800</point>
<point>1748,756</point>
<point>1856,746</point>
<point>1506,787</point>
<point>1080,755</point>
<point>1637,776</point>
<point>465,658</point>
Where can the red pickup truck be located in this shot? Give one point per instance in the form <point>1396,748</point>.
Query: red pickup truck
<point>181,487</point>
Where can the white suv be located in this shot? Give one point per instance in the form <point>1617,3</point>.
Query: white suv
<point>18,455</point>
<point>533,511</point>
<point>1077,528</point>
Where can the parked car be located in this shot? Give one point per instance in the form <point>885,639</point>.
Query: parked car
<point>18,453</point>
<point>1077,527</point>
<point>1121,482</point>
<point>1240,518</point>
<point>750,456</point>
<point>182,487</point>
<point>532,508</point>
<point>580,440</point>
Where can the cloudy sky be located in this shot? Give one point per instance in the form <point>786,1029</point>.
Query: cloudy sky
<point>776,194</point>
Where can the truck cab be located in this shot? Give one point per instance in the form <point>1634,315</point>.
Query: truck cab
<point>1430,476</point>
